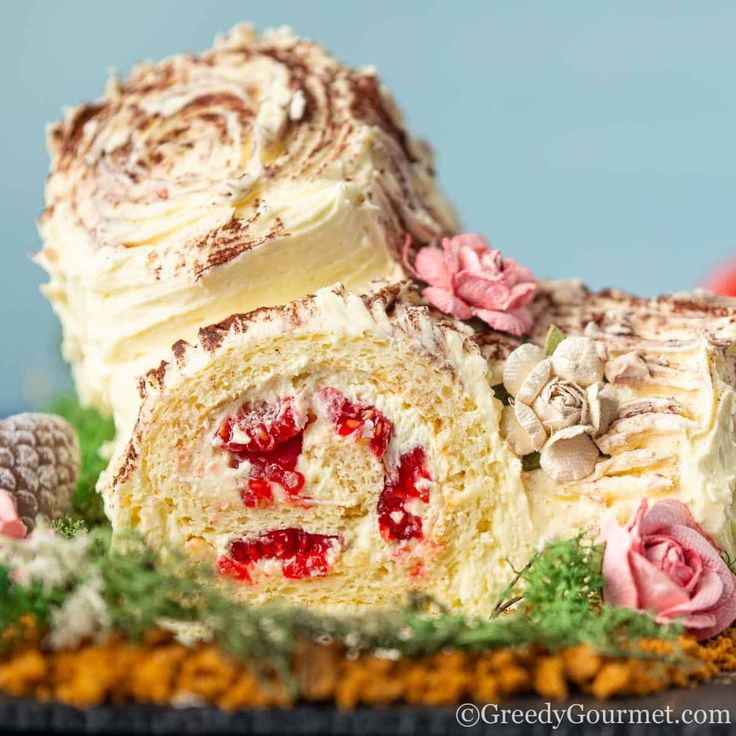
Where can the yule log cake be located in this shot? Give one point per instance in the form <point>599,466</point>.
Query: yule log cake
<point>343,449</point>
<point>339,448</point>
<point>205,185</point>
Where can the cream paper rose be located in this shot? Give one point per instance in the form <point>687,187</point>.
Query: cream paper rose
<point>559,405</point>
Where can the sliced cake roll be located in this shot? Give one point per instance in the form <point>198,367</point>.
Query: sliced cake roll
<point>337,451</point>
<point>249,175</point>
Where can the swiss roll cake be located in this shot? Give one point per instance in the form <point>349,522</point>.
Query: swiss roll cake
<point>343,449</point>
<point>335,452</point>
<point>206,185</point>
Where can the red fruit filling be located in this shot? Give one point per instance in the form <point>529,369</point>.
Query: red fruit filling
<point>410,482</point>
<point>302,554</point>
<point>260,427</point>
<point>276,466</point>
<point>269,437</point>
<point>362,421</point>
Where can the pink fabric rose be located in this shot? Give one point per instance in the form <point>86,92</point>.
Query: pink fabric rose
<point>467,279</point>
<point>663,562</point>
<point>10,523</point>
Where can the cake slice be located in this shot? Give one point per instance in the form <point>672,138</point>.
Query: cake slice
<point>334,452</point>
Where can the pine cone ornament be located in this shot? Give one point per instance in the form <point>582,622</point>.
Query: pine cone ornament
<point>39,465</point>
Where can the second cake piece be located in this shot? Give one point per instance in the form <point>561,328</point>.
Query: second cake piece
<point>205,185</point>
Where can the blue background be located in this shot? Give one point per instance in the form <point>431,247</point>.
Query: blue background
<point>585,138</point>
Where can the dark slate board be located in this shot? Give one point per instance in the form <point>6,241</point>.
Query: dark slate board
<point>28,717</point>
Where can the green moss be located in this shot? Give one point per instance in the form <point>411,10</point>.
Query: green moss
<point>560,606</point>
<point>17,601</point>
<point>93,431</point>
<point>563,603</point>
<point>69,526</point>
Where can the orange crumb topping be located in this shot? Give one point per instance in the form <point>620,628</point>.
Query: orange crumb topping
<point>159,670</point>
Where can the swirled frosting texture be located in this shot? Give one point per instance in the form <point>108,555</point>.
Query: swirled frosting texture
<point>671,370</point>
<point>205,185</point>
<point>671,365</point>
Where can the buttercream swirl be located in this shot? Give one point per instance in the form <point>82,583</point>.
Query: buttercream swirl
<point>263,158</point>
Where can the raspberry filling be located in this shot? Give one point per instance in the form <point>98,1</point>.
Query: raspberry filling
<point>277,466</point>
<point>362,421</point>
<point>301,554</point>
<point>410,482</point>
<point>269,437</point>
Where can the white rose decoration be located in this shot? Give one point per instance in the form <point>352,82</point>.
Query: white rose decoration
<point>559,404</point>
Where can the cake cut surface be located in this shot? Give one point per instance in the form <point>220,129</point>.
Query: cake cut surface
<point>336,452</point>
<point>205,185</point>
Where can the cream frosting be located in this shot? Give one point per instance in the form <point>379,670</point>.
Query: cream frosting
<point>671,371</point>
<point>206,185</point>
